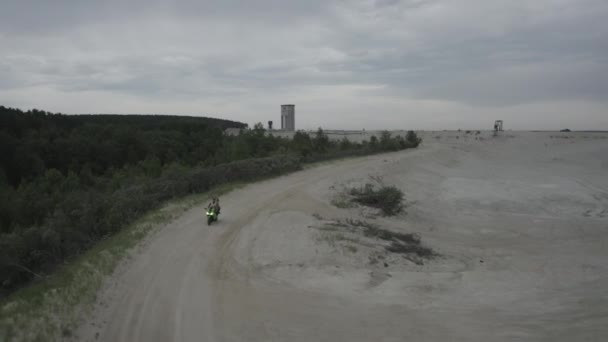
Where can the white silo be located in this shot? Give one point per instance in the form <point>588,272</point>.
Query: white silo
<point>288,117</point>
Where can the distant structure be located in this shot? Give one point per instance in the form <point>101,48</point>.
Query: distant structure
<point>270,125</point>
<point>288,117</point>
<point>498,125</point>
<point>233,131</point>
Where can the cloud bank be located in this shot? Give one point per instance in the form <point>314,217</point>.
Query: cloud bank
<point>435,64</point>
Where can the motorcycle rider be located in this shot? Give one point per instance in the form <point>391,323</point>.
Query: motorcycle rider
<point>214,205</point>
<point>217,205</point>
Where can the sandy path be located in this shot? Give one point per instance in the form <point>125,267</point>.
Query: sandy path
<point>520,220</point>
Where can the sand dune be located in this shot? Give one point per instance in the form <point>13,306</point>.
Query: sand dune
<point>520,222</point>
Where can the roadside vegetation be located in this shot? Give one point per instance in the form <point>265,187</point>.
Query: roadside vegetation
<point>51,309</point>
<point>68,182</point>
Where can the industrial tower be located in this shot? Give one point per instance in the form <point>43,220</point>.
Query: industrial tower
<point>288,117</point>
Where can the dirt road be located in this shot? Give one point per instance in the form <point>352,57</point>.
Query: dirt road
<point>520,222</point>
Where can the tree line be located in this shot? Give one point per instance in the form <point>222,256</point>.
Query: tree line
<point>67,181</point>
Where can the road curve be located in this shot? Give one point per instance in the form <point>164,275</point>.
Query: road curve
<point>186,286</point>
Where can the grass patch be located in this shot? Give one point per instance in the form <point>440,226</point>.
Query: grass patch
<point>317,216</point>
<point>50,308</point>
<point>351,248</point>
<point>407,244</point>
<point>372,230</point>
<point>410,248</point>
<point>342,203</point>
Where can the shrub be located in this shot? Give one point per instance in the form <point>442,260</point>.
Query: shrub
<point>302,143</point>
<point>412,139</point>
<point>373,143</point>
<point>321,141</point>
<point>387,143</point>
<point>387,198</point>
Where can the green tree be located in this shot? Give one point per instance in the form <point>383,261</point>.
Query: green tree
<point>259,130</point>
<point>386,141</point>
<point>151,166</point>
<point>321,141</point>
<point>373,143</point>
<point>345,144</point>
<point>302,144</point>
<point>412,139</point>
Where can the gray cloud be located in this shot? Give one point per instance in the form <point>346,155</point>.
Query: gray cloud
<point>246,56</point>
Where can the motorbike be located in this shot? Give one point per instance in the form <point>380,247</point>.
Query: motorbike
<point>211,216</point>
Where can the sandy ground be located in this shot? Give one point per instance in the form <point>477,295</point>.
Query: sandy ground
<point>520,221</point>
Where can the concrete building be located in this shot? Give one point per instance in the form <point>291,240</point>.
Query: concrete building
<point>233,131</point>
<point>288,117</point>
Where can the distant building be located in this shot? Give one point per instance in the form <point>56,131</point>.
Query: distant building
<point>288,117</point>
<point>233,131</point>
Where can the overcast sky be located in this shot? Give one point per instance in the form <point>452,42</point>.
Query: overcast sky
<point>419,64</point>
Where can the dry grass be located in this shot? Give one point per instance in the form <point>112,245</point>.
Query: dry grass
<point>407,244</point>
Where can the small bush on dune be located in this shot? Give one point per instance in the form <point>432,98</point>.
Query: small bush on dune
<point>387,198</point>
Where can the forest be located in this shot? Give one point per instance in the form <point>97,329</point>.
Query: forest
<point>68,181</point>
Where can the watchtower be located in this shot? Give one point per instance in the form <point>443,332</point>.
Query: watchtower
<point>498,126</point>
